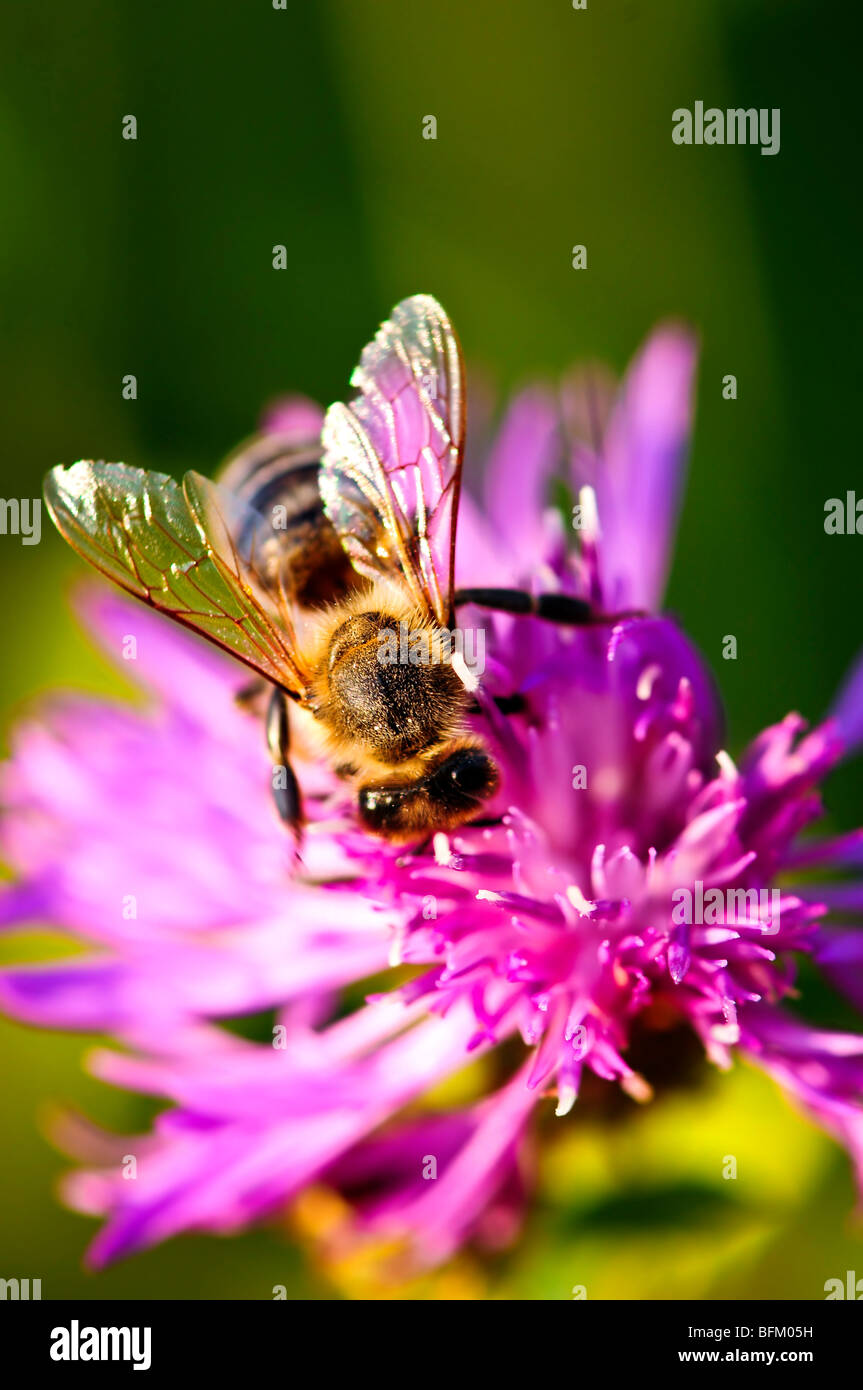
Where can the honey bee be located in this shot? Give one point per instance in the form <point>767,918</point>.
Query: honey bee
<point>308,556</point>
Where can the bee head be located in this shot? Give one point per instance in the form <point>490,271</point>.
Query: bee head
<point>462,780</point>
<point>448,794</point>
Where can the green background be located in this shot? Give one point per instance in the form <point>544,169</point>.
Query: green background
<point>303,127</point>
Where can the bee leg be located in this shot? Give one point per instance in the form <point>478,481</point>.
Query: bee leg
<point>421,847</point>
<point>507,704</point>
<point>286,790</point>
<point>554,608</point>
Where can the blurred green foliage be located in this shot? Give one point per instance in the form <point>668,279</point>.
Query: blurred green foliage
<point>303,127</point>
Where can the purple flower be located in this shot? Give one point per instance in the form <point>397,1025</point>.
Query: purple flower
<point>634,869</point>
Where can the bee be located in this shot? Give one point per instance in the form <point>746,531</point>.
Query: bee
<point>310,559</point>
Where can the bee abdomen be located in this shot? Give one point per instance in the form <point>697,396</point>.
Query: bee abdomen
<point>279,482</point>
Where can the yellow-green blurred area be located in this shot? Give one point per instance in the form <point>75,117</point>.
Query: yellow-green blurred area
<point>303,127</point>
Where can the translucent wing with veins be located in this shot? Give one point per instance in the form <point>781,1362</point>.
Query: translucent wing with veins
<point>173,547</point>
<point>391,469</point>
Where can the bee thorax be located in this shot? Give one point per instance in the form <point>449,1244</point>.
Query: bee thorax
<point>395,698</point>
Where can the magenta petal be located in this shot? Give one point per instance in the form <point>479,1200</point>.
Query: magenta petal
<point>638,488</point>
<point>518,475</point>
<point>840,956</point>
<point>822,1071</point>
<point>297,418</point>
<point>847,709</point>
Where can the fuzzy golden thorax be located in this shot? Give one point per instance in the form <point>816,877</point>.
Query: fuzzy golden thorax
<point>383,689</point>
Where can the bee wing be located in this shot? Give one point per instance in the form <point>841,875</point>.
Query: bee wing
<point>173,547</point>
<point>391,469</point>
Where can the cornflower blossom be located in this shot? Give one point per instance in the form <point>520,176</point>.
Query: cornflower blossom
<point>147,835</point>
